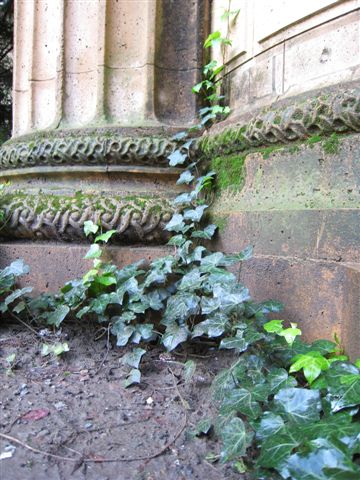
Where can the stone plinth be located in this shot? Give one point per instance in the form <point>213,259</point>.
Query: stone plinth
<point>100,87</point>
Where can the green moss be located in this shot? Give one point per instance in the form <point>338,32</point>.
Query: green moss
<point>229,172</point>
<point>219,221</point>
<point>314,139</point>
<point>267,151</point>
<point>331,144</point>
<point>52,203</point>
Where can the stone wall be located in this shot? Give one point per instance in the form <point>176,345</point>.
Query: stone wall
<point>283,48</point>
<point>101,86</point>
<point>288,157</point>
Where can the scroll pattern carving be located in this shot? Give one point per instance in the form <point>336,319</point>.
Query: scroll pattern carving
<point>62,218</point>
<point>336,112</point>
<point>86,150</point>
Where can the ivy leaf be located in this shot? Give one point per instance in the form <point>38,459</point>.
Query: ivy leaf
<point>241,400</point>
<point>57,316</point>
<point>311,465</point>
<point>133,358</point>
<point>270,424</point>
<point>189,370</point>
<point>177,240</point>
<point>245,254</point>
<point>145,330</point>
<point>180,307</point>
<point>202,427</point>
<point>176,223</point>
<point>133,377</point>
<point>122,332</point>
<point>183,199</point>
<point>274,326</point>
<point>225,381</point>
<point>278,378</point>
<point>290,333</point>
<point>275,449</point>
<point>196,88</point>
<point>211,38</point>
<point>271,306</point>
<point>237,343</point>
<point>345,395</point>
<point>16,294</point>
<point>154,300</point>
<point>179,136</point>
<point>299,405</point>
<point>191,281</point>
<point>213,326</point>
<point>235,440</point>
<point>177,158</point>
<point>106,280</point>
<point>207,233</point>
<point>185,178</point>
<point>312,363</point>
<point>196,214</point>
<point>94,252</point>
<point>90,227</point>
<point>174,335</point>
<point>16,268</point>
<point>105,237</point>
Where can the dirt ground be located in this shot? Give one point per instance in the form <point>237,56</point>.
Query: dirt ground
<point>76,407</point>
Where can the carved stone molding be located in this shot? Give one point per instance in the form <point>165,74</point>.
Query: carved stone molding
<point>323,115</point>
<point>57,218</point>
<point>85,149</point>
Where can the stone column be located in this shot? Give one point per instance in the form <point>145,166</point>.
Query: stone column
<point>100,86</point>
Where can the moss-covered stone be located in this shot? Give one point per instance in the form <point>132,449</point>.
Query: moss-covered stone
<point>331,144</point>
<point>229,171</point>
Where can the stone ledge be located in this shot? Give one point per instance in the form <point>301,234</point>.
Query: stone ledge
<point>321,115</point>
<point>61,218</point>
<point>85,148</point>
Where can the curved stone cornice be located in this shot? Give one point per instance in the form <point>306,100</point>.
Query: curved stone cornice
<point>58,218</point>
<point>87,148</point>
<point>325,114</point>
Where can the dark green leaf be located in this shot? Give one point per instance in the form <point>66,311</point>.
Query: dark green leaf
<point>237,343</point>
<point>235,440</point>
<point>275,449</point>
<point>123,332</point>
<point>174,335</point>
<point>241,400</point>
<point>196,214</point>
<point>16,268</point>
<point>133,377</point>
<point>133,358</point>
<point>207,233</point>
<point>298,405</point>
<point>94,252</point>
<point>270,424</point>
<point>177,158</point>
<point>56,317</point>
<point>176,224</point>
<point>185,178</point>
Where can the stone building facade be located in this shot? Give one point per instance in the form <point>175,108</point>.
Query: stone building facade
<point>101,86</point>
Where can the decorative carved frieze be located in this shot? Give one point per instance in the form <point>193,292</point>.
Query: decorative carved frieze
<point>323,115</point>
<point>53,217</point>
<point>86,150</point>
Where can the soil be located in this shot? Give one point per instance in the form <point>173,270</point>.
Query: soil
<point>77,407</point>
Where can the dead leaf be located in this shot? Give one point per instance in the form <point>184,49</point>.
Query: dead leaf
<point>36,414</point>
